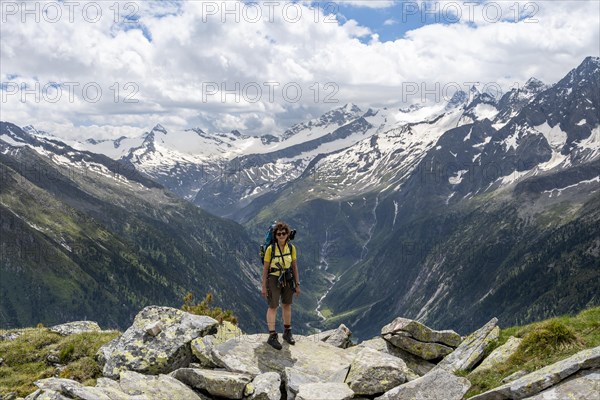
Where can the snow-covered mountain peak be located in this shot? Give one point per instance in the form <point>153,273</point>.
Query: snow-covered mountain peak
<point>331,119</point>
<point>459,98</point>
<point>534,85</point>
<point>31,130</point>
<point>159,129</point>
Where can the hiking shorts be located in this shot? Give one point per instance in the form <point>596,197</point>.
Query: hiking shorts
<point>274,292</point>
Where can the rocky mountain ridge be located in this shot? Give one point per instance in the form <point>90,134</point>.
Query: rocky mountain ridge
<point>170,354</point>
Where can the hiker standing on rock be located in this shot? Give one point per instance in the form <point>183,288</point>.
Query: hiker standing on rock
<point>280,279</point>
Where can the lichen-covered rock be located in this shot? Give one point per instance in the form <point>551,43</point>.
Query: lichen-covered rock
<point>500,355</point>
<point>584,385</point>
<point>105,351</point>
<point>339,337</point>
<point>252,355</point>
<point>266,387</point>
<point>436,385</point>
<point>155,387</point>
<point>471,350</point>
<point>201,347</point>
<point>226,384</point>
<point>416,364</point>
<point>135,350</point>
<point>543,378</point>
<point>71,328</point>
<point>425,350</point>
<point>420,332</point>
<point>324,391</point>
<point>373,372</point>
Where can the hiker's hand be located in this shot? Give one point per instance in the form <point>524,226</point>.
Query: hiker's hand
<point>264,292</point>
<point>297,291</point>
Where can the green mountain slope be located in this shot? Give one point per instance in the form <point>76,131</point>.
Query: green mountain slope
<point>81,242</point>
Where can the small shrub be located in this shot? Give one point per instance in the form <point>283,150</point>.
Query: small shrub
<point>204,308</point>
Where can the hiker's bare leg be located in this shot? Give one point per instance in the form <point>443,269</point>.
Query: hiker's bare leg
<point>287,314</point>
<point>271,315</point>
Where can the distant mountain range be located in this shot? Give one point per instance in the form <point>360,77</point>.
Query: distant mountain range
<point>450,213</point>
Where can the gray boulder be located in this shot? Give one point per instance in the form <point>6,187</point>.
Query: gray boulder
<point>169,350</point>
<point>471,350</point>
<point>41,394</point>
<point>584,385</point>
<point>217,383</point>
<point>436,385</point>
<point>201,347</point>
<point>265,387</point>
<point>425,350</point>
<point>500,355</point>
<point>339,337</point>
<point>543,378</point>
<point>418,331</point>
<point>293,378</point>
<point>416,364</point>
<point>324,391</point>
<point>373,372</point>
<point>71,328</point>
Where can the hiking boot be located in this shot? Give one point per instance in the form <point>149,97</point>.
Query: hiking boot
<point>287,336</point>
<point>274,342</point>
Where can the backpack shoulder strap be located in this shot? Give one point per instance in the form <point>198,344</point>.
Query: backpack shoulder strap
<point>272,253</point>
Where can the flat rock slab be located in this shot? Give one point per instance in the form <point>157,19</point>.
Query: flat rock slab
<point>324,391</point>
<point>226,384</point>
<point>584,385</point>
<point>471,350</point>
<point>155,387</point>
<point>543,378</point>
<point>252,355</point>
<point>436,385</point>
<point>132,386</point>
<point>137,351</point>
<point>71,328</point>
<point>420,332</point>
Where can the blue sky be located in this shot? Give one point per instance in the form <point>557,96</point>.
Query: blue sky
<point>390,23</point>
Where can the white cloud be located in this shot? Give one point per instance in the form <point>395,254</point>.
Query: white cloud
<point>389,22</point>
<point>195,47</point>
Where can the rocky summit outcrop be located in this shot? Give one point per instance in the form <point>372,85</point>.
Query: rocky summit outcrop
<point>168,354</point>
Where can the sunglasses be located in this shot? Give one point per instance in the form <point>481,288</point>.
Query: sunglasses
<point>282,233</point>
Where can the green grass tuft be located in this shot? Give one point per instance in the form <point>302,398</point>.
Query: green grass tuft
<point>543,343</point>
<point>25,358</point>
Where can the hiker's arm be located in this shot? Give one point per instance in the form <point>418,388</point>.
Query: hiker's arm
<point>264,279</point>
<point>296,276</point>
